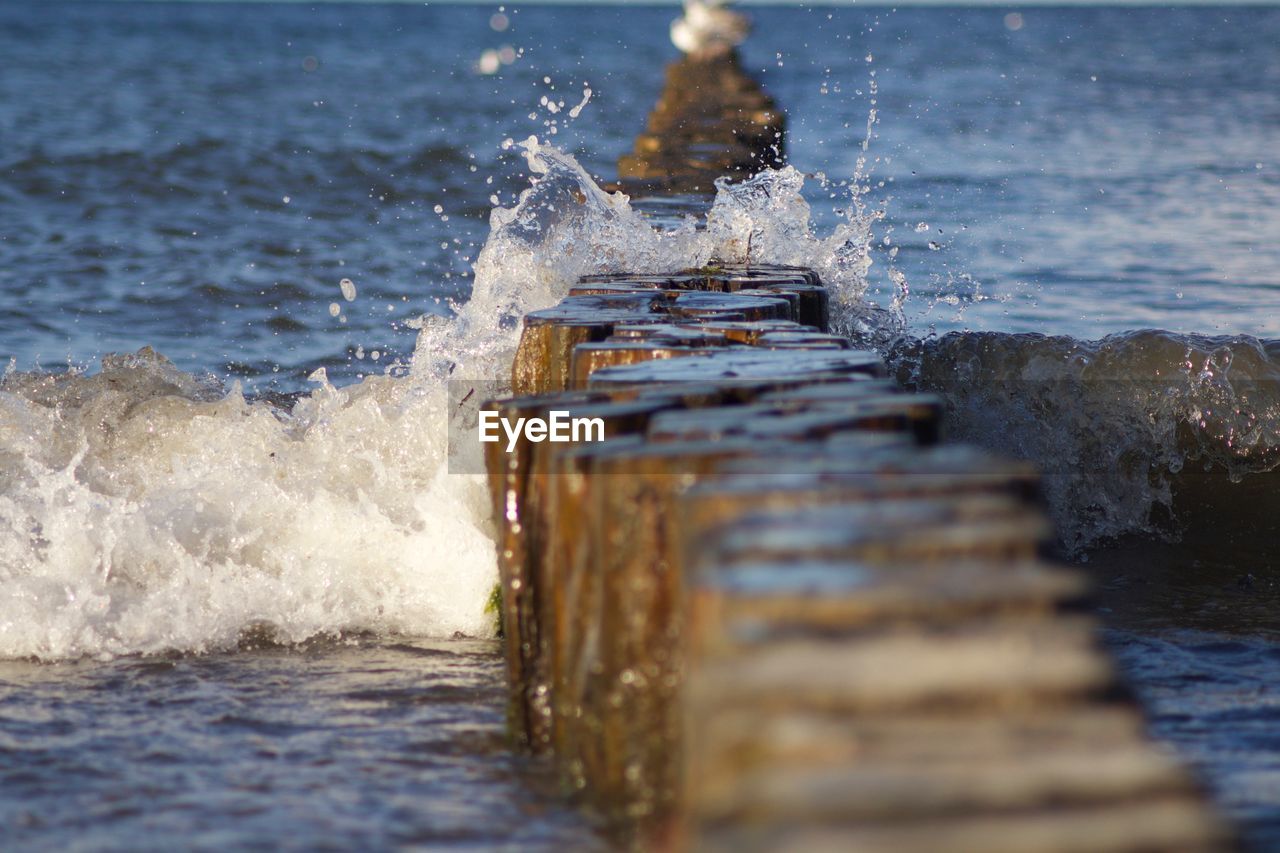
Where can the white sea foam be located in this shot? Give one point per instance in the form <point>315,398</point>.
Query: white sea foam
<point>143,509</point>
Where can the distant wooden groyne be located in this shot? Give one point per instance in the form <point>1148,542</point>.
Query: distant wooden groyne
<point>711,120</point>
<point>772,610</point>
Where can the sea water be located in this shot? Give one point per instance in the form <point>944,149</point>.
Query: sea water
<point>242,248</point>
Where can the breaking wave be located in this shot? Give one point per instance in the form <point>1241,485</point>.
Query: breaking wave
<point>147,510</point>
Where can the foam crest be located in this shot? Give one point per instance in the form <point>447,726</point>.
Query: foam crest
<point>139,515</point>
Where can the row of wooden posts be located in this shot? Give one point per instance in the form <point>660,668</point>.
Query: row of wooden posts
<point>773,610</point>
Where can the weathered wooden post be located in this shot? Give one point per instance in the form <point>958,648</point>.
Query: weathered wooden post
<point>770,608</point>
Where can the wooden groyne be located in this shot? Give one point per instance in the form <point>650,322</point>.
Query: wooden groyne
<point>772,610</point>
<point>711,120</point>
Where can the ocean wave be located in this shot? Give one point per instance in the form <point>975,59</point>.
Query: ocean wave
<point>1118,426</point>
<point>143,509</point>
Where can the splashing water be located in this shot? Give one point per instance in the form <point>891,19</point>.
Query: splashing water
<point>143,509</point>
<point>564,226</point>
<point>767,219</point>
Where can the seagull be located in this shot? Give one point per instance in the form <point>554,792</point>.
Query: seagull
<point>708,27</point>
